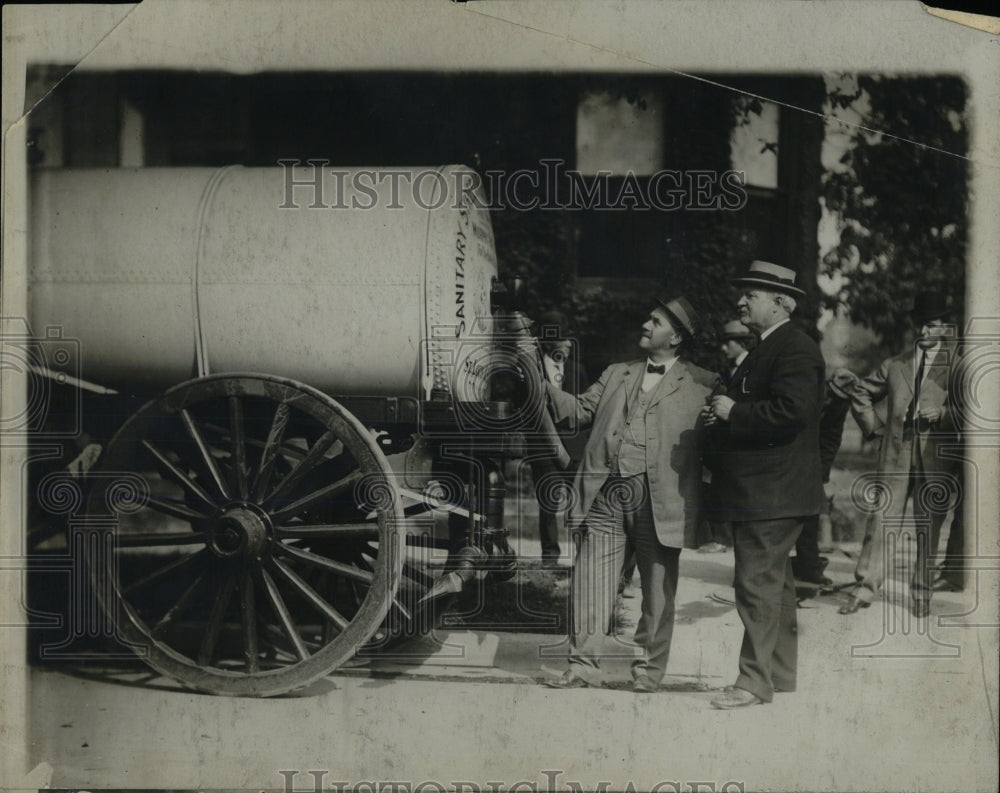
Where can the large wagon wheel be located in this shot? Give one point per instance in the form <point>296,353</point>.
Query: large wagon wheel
<point>257,538</point>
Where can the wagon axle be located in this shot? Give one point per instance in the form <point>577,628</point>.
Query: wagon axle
<point>240,530</point>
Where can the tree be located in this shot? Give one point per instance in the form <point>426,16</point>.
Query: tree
<point>899,196</point>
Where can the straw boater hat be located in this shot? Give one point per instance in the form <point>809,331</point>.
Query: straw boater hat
<point>736,330</point>
<point>770,276</point>
<point>683,312</point>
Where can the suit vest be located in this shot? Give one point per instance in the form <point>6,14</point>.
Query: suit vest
<point>631,457</point>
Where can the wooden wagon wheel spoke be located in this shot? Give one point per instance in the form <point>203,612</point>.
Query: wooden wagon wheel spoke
<point>334,490</point>
<point>179,607</point>
<point>302,467</point>
<point>331,565</point>
<point>248,623</point>
<point>403,610</point>
<point>275,639</point>
<point>156,539</point>
<point>224,593</point>
<point>362,531</point>
<point>175,510</point>
<point>238,446</point>
<point>177,474</point>
<point>226,436</point>
<point>171,567</point>
<point>310,594</point>
<point>282,613</point>
<point>203,450</point>
<point>271,448</point>
<point>241,575</point>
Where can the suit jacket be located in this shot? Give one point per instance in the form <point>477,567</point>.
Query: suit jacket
<point>765,460</point>
<point>893,381</point>
<point>674,440</point>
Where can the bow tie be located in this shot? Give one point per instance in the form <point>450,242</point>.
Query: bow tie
<point>661,369</point>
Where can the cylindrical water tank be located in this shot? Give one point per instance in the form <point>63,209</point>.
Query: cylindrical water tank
<point>339,278</point>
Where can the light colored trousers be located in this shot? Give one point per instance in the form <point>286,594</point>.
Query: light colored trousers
<point>621,517</point>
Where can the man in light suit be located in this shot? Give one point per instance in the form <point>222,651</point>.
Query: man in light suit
<point>912,464</point>
<point>766,477</point>
<point>638,484</point>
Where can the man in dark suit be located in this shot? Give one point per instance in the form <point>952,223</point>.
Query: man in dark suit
<point>766,477</point>
<point>639,484</point>
<point>563,370</point>
<point>807,564</point>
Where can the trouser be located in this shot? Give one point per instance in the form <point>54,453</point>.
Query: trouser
<point>550,482</point>
<point>765,601</point>
<point>807,563</point>
<point>612,523</point>
<point>929,503</point>
<point>712,531</point>
<point>722,533</point>
<point>953,566</point>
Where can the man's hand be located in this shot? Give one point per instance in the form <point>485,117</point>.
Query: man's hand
<point>930,414</point>
<point>721,406</point>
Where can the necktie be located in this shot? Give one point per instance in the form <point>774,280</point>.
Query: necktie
<point>650,369</point>
<point>917,382</point>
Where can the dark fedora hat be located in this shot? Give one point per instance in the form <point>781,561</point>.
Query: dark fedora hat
<point>681,311</point>
<point>928,306</point>
<point>552,325</point>
<point>770,276</point>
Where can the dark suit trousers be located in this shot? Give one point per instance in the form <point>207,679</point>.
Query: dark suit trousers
<point>765,600</point>
<point>612,525</point>
<point>807,562</point>
<point>550,480</point>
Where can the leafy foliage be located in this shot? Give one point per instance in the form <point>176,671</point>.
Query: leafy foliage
<point>901,199</point>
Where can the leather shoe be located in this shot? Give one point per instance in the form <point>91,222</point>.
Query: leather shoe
<point>944,585</point>
<point>568,679</point>
<point>734,697</point>
<point>852,605</point>
<point>643,684</point>
<point>920,608</point>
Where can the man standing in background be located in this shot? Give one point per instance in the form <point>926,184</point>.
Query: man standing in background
<point>737,341</point>
<point>807,564</point>
<point>918,422</point>
<point>561,362</point>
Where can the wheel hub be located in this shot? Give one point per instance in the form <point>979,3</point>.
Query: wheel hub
<point>239,530</point>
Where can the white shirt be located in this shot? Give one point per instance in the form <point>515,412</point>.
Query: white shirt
<point>764,334</point>
<point>650,380</point>
<point>929,355</point>
<point>736,363</point>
